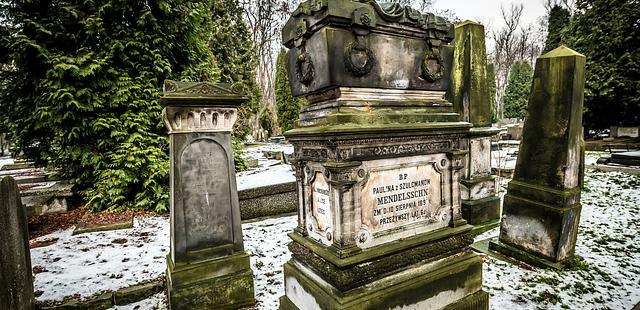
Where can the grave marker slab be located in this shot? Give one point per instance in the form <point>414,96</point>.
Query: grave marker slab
<point>207,265</point>
<point>16,279</point>
<point>541,209</point>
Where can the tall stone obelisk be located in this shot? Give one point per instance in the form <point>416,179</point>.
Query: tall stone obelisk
<point>470,95</point>
<point>207,267</point>
<point>541,211</point>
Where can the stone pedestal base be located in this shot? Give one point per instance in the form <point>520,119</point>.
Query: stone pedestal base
<point>223,283</point>
<point>452,283</point>
<point>524,256</point>
<point>539,221</point>
<point>483,214</point>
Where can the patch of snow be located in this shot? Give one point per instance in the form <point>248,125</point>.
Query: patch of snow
<point>89,263</point>
<point>505,158</point>
<point>155,302</point>
<point>607,240</point>
<point>267,176</point>
<point>271,147</point>
<point>6,161</point>
<point>266,241</point>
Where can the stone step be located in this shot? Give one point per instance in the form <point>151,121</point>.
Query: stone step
<point>46,197</point>
<point>30,178</point>
<point>16,172</point>
<point>16,166</point>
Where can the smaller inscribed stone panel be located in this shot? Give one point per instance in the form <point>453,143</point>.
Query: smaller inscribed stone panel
<point>321,212</point>
<point>206,195</point>
<point>402,195</point>
<point>480,158</point>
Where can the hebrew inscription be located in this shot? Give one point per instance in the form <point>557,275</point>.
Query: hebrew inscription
<point>205,194</point>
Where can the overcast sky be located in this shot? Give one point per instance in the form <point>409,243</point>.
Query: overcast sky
<point>488,11</point>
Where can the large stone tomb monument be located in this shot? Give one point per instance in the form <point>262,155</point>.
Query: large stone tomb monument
<point>207,267</point>
<point>470,94</point>
<point>16,280</point>
<point>541,210</point>
<point>379,155</point>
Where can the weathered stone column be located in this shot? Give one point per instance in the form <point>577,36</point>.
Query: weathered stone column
<point>470,95</point>
<point>379,156</point>
<point>207,265</point>
<point>16,280</point>
<point>541,210</point>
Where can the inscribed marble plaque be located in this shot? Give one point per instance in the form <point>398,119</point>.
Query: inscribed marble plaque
<point>402,196</point>
<point>321,205</point>
<point>206,194</point>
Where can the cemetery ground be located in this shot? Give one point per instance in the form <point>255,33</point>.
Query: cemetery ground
<point>90,266</point>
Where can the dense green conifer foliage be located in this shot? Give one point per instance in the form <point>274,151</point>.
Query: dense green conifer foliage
<point>607,32</point>
<point>516,94</point>
<point>287,106</point>
<point>236,58</point>
<point>83,87</point>
<point>559,18</point>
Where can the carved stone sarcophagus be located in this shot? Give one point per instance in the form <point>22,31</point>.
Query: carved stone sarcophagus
<point>366,44</point>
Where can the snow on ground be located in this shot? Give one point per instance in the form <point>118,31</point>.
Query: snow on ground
<point>504,158</point>
<point>6,161</point>
<point>270,175</point>
<point>88,263</point>
<point>266,241</point>
<point>155,302</point>
<point>269,171</point>
<point>609,243</point>
<point>270,147</point>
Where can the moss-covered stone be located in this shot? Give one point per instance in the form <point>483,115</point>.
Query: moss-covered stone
<point>481,211</point>
<point>223,283</point>
<point>367,255</point>
<point>541,209</point>
<point>459,276</point>
<point>268,200</point>
<point>138,292</point>
<point>525,256</point>
<point>350,277</point>
<point>469,88</point>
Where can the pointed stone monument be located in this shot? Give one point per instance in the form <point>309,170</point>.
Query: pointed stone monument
<point>541,209</point>
<point>207,267</point>
<point>16,280</point>
<point>470,96</point>
<point>379,154</point>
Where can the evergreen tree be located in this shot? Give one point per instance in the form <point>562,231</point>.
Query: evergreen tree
<point>82,92</point>
<point>516,95</point>
<point>236,58</point>
<point>607,32</point>
<point>287,106</point>
<point>559,18</point>
<point>491,81</point>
